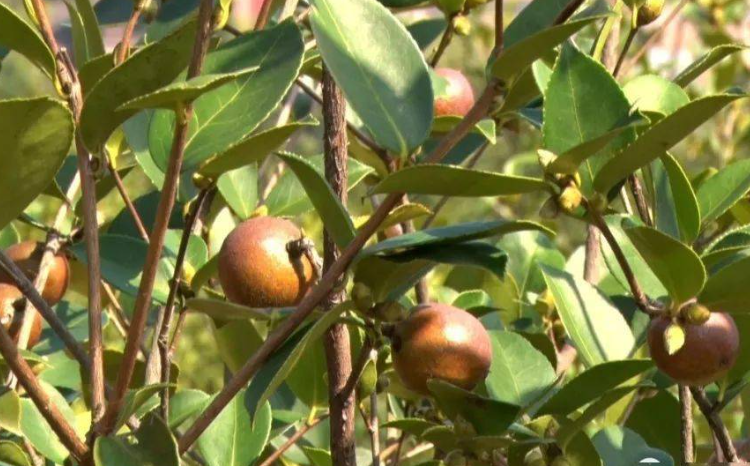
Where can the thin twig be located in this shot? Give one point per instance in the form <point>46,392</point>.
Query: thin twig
<point>276,455</point>
<point>374,427</point>
<point>445,41</point>
<point>499,27</point>
<point>164,209</point>
<point>717,425</point>
<point>127,36</point>
<point>686,416</point>
<point>636,188</point>
<point>64,431</point>
<point>623,53</point>
<point>128,202</point>
<point>567,12</point>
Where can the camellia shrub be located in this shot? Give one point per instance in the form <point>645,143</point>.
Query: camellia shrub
<point>256,233</point>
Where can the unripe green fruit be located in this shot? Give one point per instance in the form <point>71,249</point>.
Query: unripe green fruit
<point>462,25</point>
<point>695,313</point>
<point>649,12</point>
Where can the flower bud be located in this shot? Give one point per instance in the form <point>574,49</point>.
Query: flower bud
<point>649,12</point>
<point>462,25</point>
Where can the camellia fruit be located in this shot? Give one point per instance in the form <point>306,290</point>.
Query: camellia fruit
<point>28,255</point>
<point>257,270</point>
<point>11,312</point>
<point>438,341</point>
<point>709,351</point>
<point>459,96</point>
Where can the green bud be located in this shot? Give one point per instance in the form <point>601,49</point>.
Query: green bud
<point>649,12</point>
<point>570,198</point>
<point>462,25</point>
<point>362,297</point>
<point>695,313</point>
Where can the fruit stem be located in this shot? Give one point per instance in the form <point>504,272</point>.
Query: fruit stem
<point>445,41</point>
<point>717,425</point>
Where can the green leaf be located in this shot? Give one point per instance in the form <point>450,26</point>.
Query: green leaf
<point>620,446</point>
<point>486,128</point>
<point>91,72</point>
<point>678,268</point>
<point>450,180</point>
<point>473,253</point>
<point>318,456</point>
<point>237,340</point>
<point>308,379</point>
<point>727,290</point>
<point>239,188</point>
<point>720,192</point>
<point>472,299</point>
<point>289,198</point>
<point>569,161</point>
<point>579,450</point>
<point>176,95</point>
<point>515,58</point>
<point>657,420</point>
<point>184,404</point>
<point>94,41</point>
<point>676,209</point>
<point>385,81</point>
<point>591,384</point>
<point>9,236</point>
<point>135,399</point>
<point>12,454</point>
<point>16,34</point>
<point>333,214</point>
<point>651,93</point>
<point>451,235</point>
<point>228,114</point>
<point>404,213</point>
<point>674,338</point>
<point>136,76</point>
<point>536,16</point>
<point>235,438</point>
<point>224,310</point>
<point>252,149</point>
<point>598,330</point>
<point>10,411</point>
<point>80,46</point>
<point>519,374</point>
<point>36,135</point>
<point>712,57</point>
<point>152,444</point>
<point>389,280</point>
<point>277,369</point>
<point>583,102</point>
<point>660,137</point>
<point>36,429</point>
<point>425,32</point>
<point>414,426</point>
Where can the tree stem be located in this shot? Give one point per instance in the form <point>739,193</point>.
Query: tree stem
<point>686,416</point>
<point>716,424</point>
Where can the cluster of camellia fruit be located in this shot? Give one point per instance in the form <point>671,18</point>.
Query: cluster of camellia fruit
<point>28,256</point>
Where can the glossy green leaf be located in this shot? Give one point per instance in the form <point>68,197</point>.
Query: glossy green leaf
<point>224,310</point>
<point>536,16</point>
<point>657,420</point>
<point>385,81</point>
<point>252,149</point>
<point>308,379</point>
<point>651,93</point>
<point>12,454</point>
<point>426,31</point>
<point>389,280</point>
<point>94,41</point>
<point>676,210</point>
<point>184,404</point>
<point>486,128</point>
<point>36,135</point>
<point>287,357</point>
<point>135,399</point>
<point>597,328</point>
<point>583,102</point>
<point>237,340</point>
<point>660,137</point>
<point>449,180</point>
<point>678,268</point>
<point>228,114</point>
<point>91,72</point>
<point>720,192</point>
<point>580,451</point>
<point>333,214</point>
<point>472,253</point>
<point>519,374</point>
<point>515,58</point>
<point>712,57</point>
<point>154,444</point>
<point>318,456</point>
<point>414,426</point>
<point>9,236</point>
<point>177,94</point>
<point>620,446</point>
<point>472,298</point>
<point>289,197</point>
<point>36,429</point>
<point>489,417</point>
<point>727,290</point>
<point>205,273</point>
<point>235,438</point>
<point>80,45</point>
<point>523,89</point>
<point>20,36</point>
<point>10,411</point>
<point>147,70</point>
<point>404,213</point>
<point>239,188</point>
<point>449,235</point>
<point>592,383</point>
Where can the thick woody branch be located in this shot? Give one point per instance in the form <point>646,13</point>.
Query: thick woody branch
<point>686,417</point>
<point>164,209</point>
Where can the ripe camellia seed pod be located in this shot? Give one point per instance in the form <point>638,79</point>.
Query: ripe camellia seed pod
<point>28,255</point>
<point>438,341</point>
<point>459,96</point>
<point>255,268</point>
<point>11,314</point>
<point>709,351</point>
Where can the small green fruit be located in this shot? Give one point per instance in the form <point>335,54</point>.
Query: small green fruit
<point>649,12</point>
<point>462,25</point>
<point>695,313</point>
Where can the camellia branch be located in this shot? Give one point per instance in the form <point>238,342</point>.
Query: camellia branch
<point>128,202</point>
<point>64,431</point>
<point>445,41</point>
<point>686,416</point>
<point>127,36</point>
<point>274,457</point>
<point>717,425</point>
<point>336,340</point>
<point>164,209</point>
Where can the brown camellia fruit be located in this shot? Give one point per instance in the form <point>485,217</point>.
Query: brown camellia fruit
<point>459,96</point>
<point>28,255</point>
<point>709,351</point>
<point>255,268</point>
<point>438,341</point>
<point>11,315</point>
